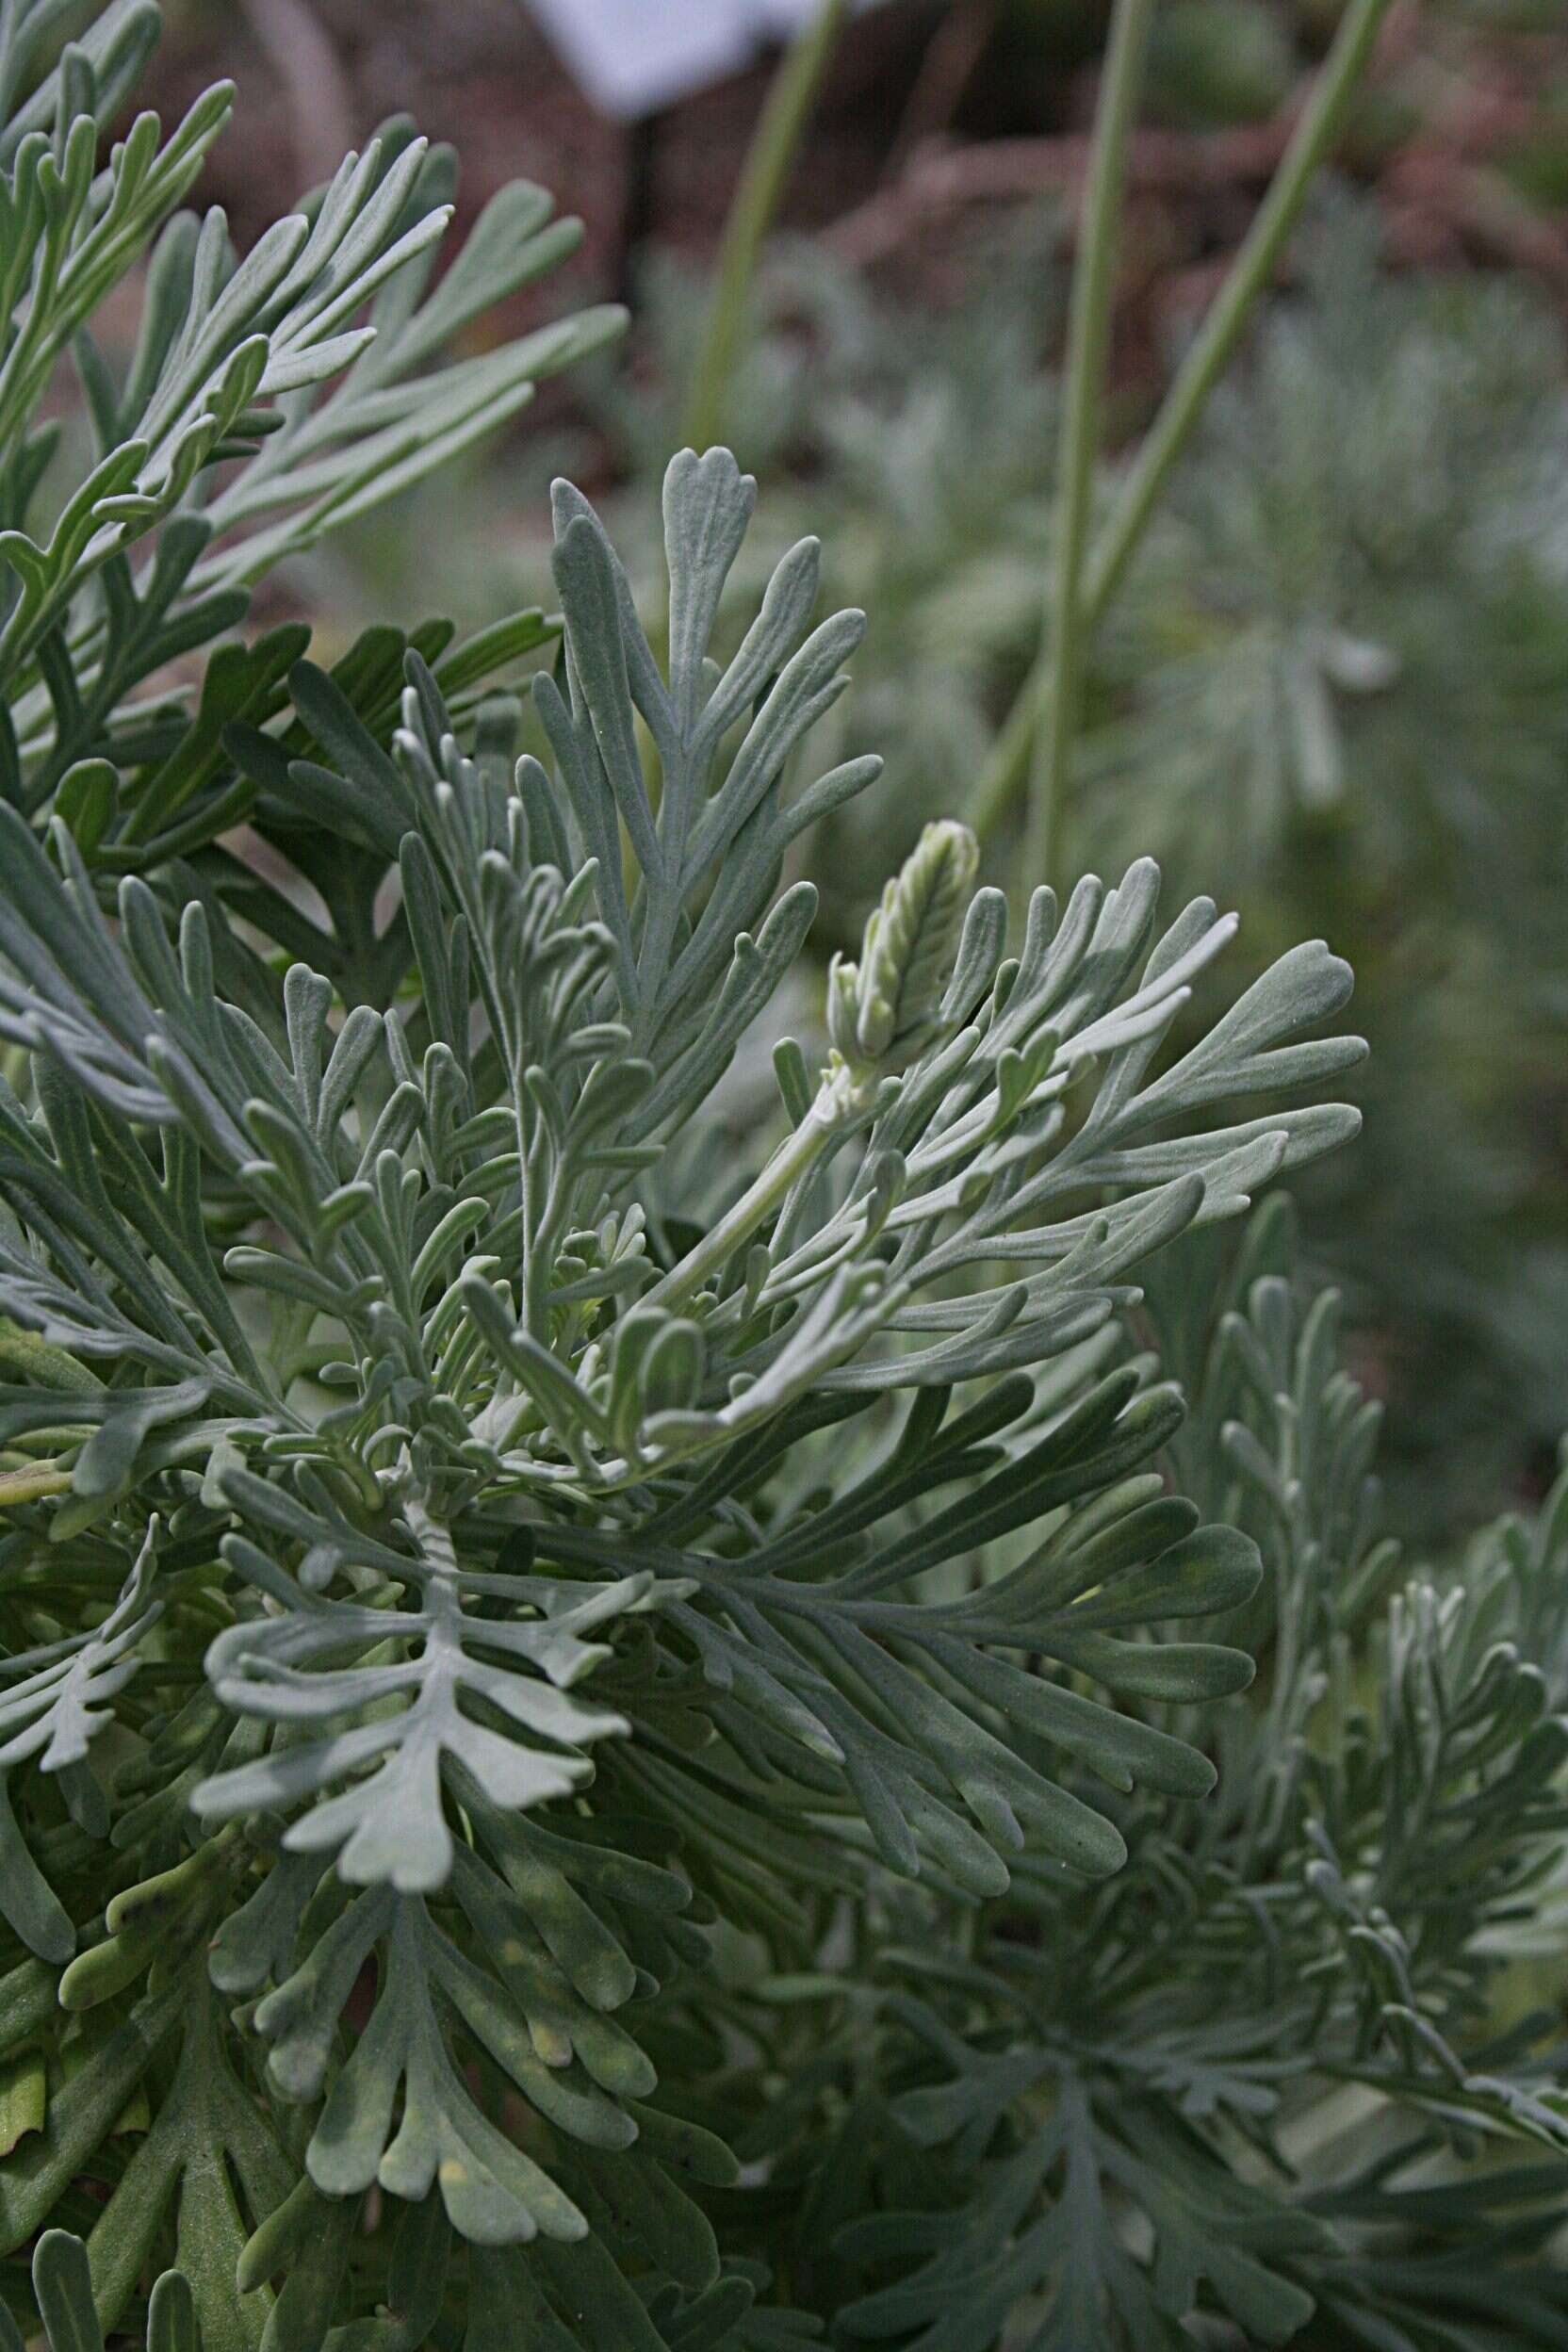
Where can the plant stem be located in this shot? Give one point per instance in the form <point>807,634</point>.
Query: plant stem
<point>1210,354</point>
<point>779,130</point>
<point>1215,341</point>
<point>29,1486</point>
<point>1089,341</point>
<point>794,1156</point>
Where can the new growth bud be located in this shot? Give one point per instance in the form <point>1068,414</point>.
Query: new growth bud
<point>881,1012</point>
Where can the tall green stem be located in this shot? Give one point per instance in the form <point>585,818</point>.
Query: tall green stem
<point>1088,339</point>
<point>1211,352</point>
<point>775,143</point>
<point>1215,343</point>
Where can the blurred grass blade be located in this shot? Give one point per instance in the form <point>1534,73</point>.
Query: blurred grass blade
<point>1207,362</point>
<point>1088,338</point>
<point>775,144</point>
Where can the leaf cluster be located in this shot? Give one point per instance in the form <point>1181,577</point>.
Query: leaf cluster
<point>450,1642</point>
<point>1334,678</point>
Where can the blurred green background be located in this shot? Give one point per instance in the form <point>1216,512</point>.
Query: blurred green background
<point>1334,689</point>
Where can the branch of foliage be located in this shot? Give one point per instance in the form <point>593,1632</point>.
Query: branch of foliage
<point>448,1620</point>
<point>267,399</point>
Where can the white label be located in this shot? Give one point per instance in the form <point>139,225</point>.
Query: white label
<point>633,56</point>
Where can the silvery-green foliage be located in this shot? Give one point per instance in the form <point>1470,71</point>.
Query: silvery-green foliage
<point>1354,675</point>
<point>451,1582</point>
<point>1334,683</point>
<point>925,430</point>
<point>1260,2076</point>
<point>265,399</point>
<point>63,2292</point>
